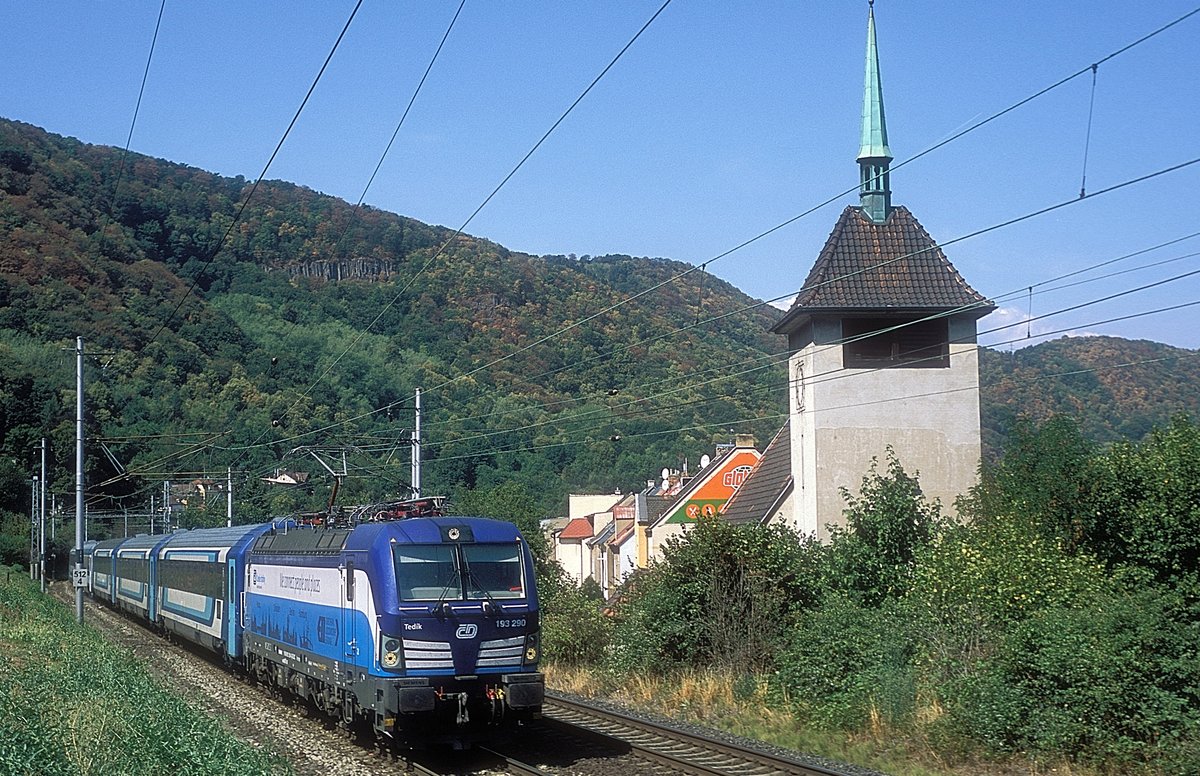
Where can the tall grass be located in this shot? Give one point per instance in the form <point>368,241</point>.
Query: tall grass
<point>740,704</point>
<point>72,704</point>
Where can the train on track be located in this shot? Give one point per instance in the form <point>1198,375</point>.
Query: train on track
<point>421,625</point>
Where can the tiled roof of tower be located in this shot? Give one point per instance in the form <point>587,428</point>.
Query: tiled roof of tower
<point>890,266</point>
<point>770,478</point>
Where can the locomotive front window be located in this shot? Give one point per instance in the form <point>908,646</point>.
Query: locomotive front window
<point>493,570</point>
<point>428,572</point>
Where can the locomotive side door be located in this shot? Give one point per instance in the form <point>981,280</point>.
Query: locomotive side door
<point>351,649</point>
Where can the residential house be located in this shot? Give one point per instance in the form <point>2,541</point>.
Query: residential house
<point>765,497</point>
<point>703,495</point>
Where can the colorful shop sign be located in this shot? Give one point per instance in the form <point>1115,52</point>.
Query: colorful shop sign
<point>717,487</point>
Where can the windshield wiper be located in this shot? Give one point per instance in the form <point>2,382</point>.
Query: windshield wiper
<point>471,579</point>
<point>441,602</point>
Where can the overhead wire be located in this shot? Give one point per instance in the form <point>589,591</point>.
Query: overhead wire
<point>788,222</point>
<point>371,179</point>
<point>212,255</point>
<point>854,273</point>
<point>761,235</point>
<point>433,423</point>
<point>840,373</point>
<point>112,202</point>
<point>811,379</point>
<point>246,200</point>
<point>950,139</point>
<point>458,232</point>
<point>783,415</point>
<point>188,453</point>
<point>836,197</point>
<point>396,132</point>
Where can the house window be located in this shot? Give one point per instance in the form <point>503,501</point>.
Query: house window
<point>911,343</point>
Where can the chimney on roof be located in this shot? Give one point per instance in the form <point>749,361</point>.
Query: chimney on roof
<point>745,440</point>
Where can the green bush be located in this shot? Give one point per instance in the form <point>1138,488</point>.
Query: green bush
<point>575,630</point>
<point>1143,503</point>
<point>653,631</point>
<point>14,539</point>
<point>1039,483</point>
<point>977,581</point>
<point>847,663</point>
<point>887,524</point>
<point>1115,682</point>
<point>721,595</point>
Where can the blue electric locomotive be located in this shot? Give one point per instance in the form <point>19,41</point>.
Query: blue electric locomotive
<point>424,628</point>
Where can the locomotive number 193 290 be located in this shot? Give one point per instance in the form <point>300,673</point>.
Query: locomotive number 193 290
<point>517,623</point>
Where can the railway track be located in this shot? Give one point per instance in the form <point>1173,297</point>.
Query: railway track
<point>674,750</point>
<point>573,739</point>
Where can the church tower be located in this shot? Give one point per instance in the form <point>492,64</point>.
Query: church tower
<point>882,343</point>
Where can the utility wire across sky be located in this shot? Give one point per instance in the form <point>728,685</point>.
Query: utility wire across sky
<point>702,266</point>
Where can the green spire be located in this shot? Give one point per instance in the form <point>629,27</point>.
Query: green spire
<point>874,128</point>
<point>873,153</point>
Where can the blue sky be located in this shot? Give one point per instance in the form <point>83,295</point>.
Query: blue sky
<point>722,121</point>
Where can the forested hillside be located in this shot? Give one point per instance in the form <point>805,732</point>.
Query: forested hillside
<point>242,333</point>
<point>314,322</point>
<point>1115,389</point>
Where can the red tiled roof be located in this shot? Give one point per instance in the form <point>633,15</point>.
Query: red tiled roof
<point>892,266</point>
<point>579,528</point>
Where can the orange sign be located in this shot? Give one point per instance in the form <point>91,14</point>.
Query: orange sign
<point>718,487</point>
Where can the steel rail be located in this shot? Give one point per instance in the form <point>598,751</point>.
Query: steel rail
<point>414,767</point>
<point>683,751</point>
<point>513,765</point>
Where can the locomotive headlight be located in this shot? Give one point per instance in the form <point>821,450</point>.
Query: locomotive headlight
<point>531,648</point>
<point>390,654</point>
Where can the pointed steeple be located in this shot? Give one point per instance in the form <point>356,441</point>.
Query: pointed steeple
<point>875,193</point>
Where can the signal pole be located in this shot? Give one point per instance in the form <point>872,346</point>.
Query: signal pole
<point>42,520</point>
<point>79,570</point>
<point>228,496</point>
<point>33,529</point>
<point>416,449</point>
